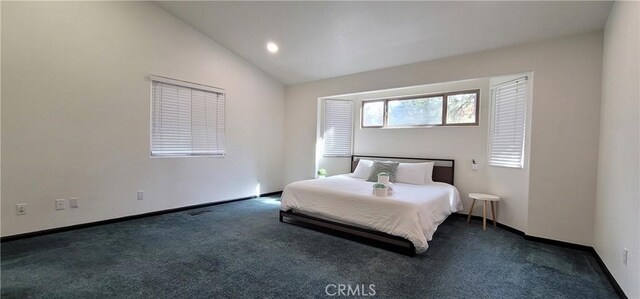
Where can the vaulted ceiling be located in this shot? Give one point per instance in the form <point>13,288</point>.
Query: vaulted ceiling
<point>320,40</point>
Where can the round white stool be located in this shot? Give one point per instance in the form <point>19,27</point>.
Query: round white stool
<point>484,198</point>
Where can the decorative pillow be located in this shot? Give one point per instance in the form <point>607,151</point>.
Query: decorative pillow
<point>412,173</point>
<point>363,169</point>
<point>388,167</point>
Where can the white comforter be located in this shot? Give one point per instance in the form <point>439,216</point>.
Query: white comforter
<point>412,212</point>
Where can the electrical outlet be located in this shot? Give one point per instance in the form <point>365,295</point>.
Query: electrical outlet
<point>60,204</point>
<point>625,252</point>
<point>73,202</point>
<point>140,195</point>
<point>21,209</point>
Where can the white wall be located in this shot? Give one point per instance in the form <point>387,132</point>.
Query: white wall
<point>0,115</point>
<point>75,117</point>
<point>618,189</point>
<point>565,116</point>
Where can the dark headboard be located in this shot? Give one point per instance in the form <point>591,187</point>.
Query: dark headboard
<point>442,168</point>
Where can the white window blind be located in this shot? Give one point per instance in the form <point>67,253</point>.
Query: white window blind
<point>507,126</point>
<point>187,119</point>
<point>338,127</point>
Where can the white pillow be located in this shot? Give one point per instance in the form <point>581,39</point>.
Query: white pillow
<point>414,173</point>
<point>428,178</point>
<point>363,169</point>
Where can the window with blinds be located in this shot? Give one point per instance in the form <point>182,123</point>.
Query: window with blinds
<point>507,125</point>
<point>338,127</point>
<point>187,119</point>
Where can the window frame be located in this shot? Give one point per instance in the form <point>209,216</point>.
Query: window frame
<point>446,105</point>
<point>191,85</point>
<point>386,112</point>
<point>443,123</point>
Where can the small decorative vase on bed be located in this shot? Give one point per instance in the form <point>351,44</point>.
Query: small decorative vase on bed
<point>379,189</point>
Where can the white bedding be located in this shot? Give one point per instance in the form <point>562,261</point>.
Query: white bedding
<point>412,212</point>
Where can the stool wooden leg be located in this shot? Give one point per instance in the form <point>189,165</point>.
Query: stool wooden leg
<point>484,215</point>
<point>493,213</point>
<point>471,210</point>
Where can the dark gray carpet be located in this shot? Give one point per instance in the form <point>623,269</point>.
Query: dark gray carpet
<point>241,250</point>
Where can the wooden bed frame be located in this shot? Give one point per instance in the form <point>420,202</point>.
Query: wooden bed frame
<point>442,172</point>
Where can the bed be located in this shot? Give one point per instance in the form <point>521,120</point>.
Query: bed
<point>344,205</point>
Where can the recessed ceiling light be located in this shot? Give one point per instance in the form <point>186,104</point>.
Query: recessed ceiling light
<point>272,47</point>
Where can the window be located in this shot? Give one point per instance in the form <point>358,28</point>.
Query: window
<point>507,125</point>
<point>337,128</point>
<point>415,112</point>
<point>446,109</point>
<point>462,108</point>
<point>373,114</point>
<point>187,119</point>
